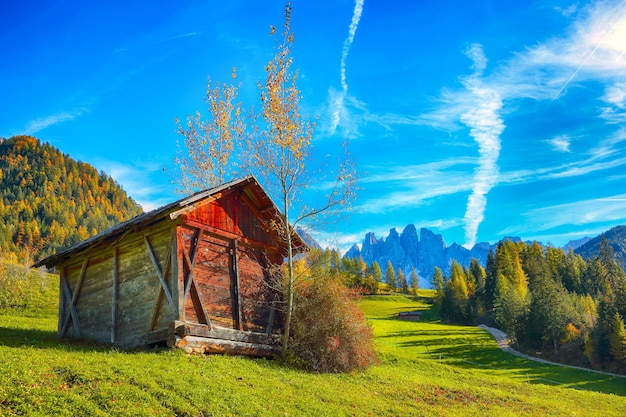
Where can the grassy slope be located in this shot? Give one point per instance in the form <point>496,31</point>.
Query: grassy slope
<point>40,376</point>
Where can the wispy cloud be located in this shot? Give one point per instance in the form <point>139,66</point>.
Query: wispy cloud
<point>579,213</point>
<point>338,99</point>
<point>561,143</point>
<point>485,125</point>
<point>158,41</point>
<point>414,185</point>
<point>41,123</point>
<point>136,179</point>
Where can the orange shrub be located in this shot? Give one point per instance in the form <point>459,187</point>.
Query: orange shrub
<point>330,333</point>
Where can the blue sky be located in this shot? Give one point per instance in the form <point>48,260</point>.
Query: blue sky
<point>478,120</point>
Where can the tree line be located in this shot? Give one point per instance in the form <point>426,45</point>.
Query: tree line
<point>49,201</point>
<point>549,302</point>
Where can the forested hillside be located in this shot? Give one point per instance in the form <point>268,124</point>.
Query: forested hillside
<point>549,302</point>
<point>50,201</point>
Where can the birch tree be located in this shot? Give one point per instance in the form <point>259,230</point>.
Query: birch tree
<point>275,145</point>
<point>206,157</point>
<point>279,153</point>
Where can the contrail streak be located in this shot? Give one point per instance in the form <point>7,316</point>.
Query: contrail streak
<point>338,104</point>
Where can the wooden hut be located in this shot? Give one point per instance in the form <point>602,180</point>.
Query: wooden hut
<point>196,273</point>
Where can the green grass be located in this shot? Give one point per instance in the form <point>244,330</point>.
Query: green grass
<point>41,376</point>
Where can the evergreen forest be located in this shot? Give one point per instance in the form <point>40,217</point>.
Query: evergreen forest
<point>49,201</point>
<point>550,303</point>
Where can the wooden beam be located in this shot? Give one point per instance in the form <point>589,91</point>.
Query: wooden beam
<point>164,287</point>
<point>114,294</point>
<point>73,313</point>
<point>174,215</point>
<point>65,285</point>
<point>184,329</point>
<point>200,345</point>
<point>190,279</point>
<point>62,301</point>
<point>236,285</point>
<point>179,271</point>
<point>222,234</point>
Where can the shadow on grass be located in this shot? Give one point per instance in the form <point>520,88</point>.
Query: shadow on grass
<point>45,339</point>
<point>471,348</point>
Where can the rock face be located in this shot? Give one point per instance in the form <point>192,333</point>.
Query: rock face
<point>406,251</point>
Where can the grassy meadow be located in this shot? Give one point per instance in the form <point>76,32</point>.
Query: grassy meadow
<point>425,369</point>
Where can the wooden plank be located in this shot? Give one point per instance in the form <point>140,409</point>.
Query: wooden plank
<point>236,285</point>
<point>270,320</point>
<point>213,231</point>
<point>62,301</point>
<point>114,293</point>
<point>184,329</point>
<point>157,336</point>
<point>155,311</point>
<point>200,345</point>
<point>73,312</point>
<point>164,287</point>
<point>65,285</point>
<point>190,281</point>
<point>178,249</point>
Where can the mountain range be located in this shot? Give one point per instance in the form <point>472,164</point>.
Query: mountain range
<point>406,250</point>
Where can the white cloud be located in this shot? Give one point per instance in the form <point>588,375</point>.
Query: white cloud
<point>579,213</point>
<point>485,125</point>
<point>40,124</point>
<point>414,185</point>
<point>561,143</point>
<point>616,95</point>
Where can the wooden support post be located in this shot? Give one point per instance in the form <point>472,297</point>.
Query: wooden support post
<point>73,312</point>
<point>191,286</point>
<point>114,289</point>
<point>164,287</point>
<point>235,285</point>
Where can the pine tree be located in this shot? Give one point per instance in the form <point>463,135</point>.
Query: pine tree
<point>390,276</point>
<point>438,283</point>
<point>376,272</point>
<point>402,283</point>
<point>415,283</point>
<point>618,339</point>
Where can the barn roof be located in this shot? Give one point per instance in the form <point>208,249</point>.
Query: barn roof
<point>113,234</point>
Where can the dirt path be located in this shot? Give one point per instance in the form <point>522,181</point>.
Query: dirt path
<point>503,343</point>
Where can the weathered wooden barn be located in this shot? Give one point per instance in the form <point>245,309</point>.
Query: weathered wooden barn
<point>196,273</point>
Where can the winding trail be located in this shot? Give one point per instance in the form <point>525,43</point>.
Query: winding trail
<point>503,343</point>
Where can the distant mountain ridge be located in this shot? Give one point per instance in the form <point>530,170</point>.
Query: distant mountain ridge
<point>406,250</point>
<point>616,237</point>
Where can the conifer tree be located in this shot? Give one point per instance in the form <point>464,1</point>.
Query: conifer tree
<point>415,284</point>
<point>402,283</point>
<point>390,276</point>
<point>376,272</point>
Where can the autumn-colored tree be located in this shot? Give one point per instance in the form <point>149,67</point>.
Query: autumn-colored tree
<point>279,153</point>
<point>206,158</point>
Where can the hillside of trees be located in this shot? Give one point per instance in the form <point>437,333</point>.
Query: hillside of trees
<point>549,302</point>
<point>49,201</point>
